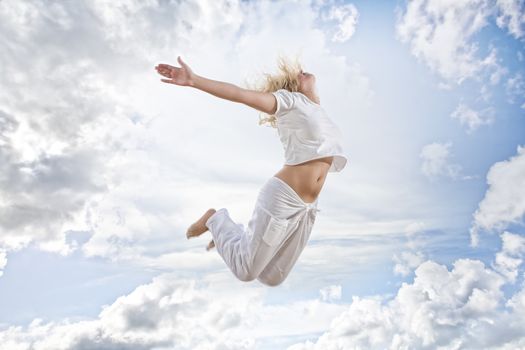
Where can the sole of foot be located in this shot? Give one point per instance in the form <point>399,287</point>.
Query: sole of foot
<point>199,227</point>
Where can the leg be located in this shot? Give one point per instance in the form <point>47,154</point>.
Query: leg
<point>247,251</point>
<point>199,227</point>
<point>284,260</point>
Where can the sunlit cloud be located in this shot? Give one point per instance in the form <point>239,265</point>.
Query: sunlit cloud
<point>103,164</point>
<point>504,201</point>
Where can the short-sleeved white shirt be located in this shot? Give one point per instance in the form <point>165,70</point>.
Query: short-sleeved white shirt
<point>306,131</point>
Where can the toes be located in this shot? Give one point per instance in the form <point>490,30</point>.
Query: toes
<point>210,245</point>
<point>191,232</point>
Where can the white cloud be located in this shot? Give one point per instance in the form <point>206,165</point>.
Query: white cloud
<point>72,116</point>
<point>515,88</point>
<point>511,15</point>
<point>149,30</point>
<point>414,227</point>
<point>70,135</point>
<point>78,139</point>
<point>440,34</point>
<point>504,201</point>
<point>347,17</point>
<point>62,121</point>
<point>331,293</point>
<point>407,261</point>
<point>498,73</point>
<point>472,118</point>
<point>441,309</point>
<point>3,261</point>
<point>171,312</point>
<point>436,161</point>
<point>167,312</point>
<point>508,260</point>
<point>91,140</point>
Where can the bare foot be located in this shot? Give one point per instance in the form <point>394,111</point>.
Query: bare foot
<point>199,227</point>
<point>210,245</point>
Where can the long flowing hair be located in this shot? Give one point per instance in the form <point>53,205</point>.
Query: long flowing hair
<point>287,78</point>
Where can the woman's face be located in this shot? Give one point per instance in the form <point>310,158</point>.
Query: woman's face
<point>306,81</point>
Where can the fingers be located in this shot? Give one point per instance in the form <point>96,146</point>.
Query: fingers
<point>165,69</point>
<point>169,71</point>
<point>164,65</point>
<point>165,74</point>
<point>167,66</point>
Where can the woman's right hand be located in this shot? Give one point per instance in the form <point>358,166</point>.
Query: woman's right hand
<point>183,76</point>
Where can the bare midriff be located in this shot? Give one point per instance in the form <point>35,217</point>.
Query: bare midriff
<point>307,179</point>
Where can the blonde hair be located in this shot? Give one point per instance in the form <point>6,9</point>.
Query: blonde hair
<point>287,78</point>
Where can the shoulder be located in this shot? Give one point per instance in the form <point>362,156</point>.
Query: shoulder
<point>284,93</point>
<point>286,101</point>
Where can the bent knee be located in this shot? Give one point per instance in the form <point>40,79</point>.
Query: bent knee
<point>246,276</point>
<point>272,282</point>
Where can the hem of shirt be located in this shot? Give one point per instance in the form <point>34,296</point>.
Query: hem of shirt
<point>328,155</point>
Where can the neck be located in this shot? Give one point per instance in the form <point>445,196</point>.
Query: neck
<point>312,96</point>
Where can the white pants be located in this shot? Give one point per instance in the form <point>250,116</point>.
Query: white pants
<point>276,235</point>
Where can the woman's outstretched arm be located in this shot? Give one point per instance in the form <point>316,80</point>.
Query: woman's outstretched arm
<point>184,76</point>
<point>217,88</point>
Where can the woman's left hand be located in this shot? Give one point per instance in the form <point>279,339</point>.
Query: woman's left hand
<point>183,76</point>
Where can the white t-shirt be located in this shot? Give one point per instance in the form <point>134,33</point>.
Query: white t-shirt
<point>306,131</point>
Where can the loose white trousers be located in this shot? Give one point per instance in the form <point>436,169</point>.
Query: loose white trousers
<point>276,234</point>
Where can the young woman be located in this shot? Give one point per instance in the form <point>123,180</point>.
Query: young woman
<point>286,206</point>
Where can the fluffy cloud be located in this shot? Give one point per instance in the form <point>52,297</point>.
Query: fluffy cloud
<point>440,308</point>
<point>511,15</point>
<point>515,88</point>
<point>407,261</point>
<point>72,131</point>
<point>508,260</point>
<point>3,260</point>
<point>165,313</point>
<point>63,122</point>
<point>462,308</point>
<point>145,29</point>
<point>75,124</point>
<point>173,313</point>
<point>436,162</point>
<point>439,33</point>
<point>504,201</point>
<point>87,131</point>
<point>331,293</point>
<point>472,118</point>
<point>347,17</point>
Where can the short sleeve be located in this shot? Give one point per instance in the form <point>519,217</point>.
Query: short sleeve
<point>285,101</point>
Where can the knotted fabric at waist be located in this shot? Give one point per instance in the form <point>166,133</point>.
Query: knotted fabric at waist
<point>285,200</point>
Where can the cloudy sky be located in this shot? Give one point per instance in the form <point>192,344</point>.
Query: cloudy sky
<point>420,240</point>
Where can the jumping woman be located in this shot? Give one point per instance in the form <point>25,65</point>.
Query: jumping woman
<point>286,205</point>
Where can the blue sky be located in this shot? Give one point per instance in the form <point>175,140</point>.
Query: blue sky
<point>420,239</point>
